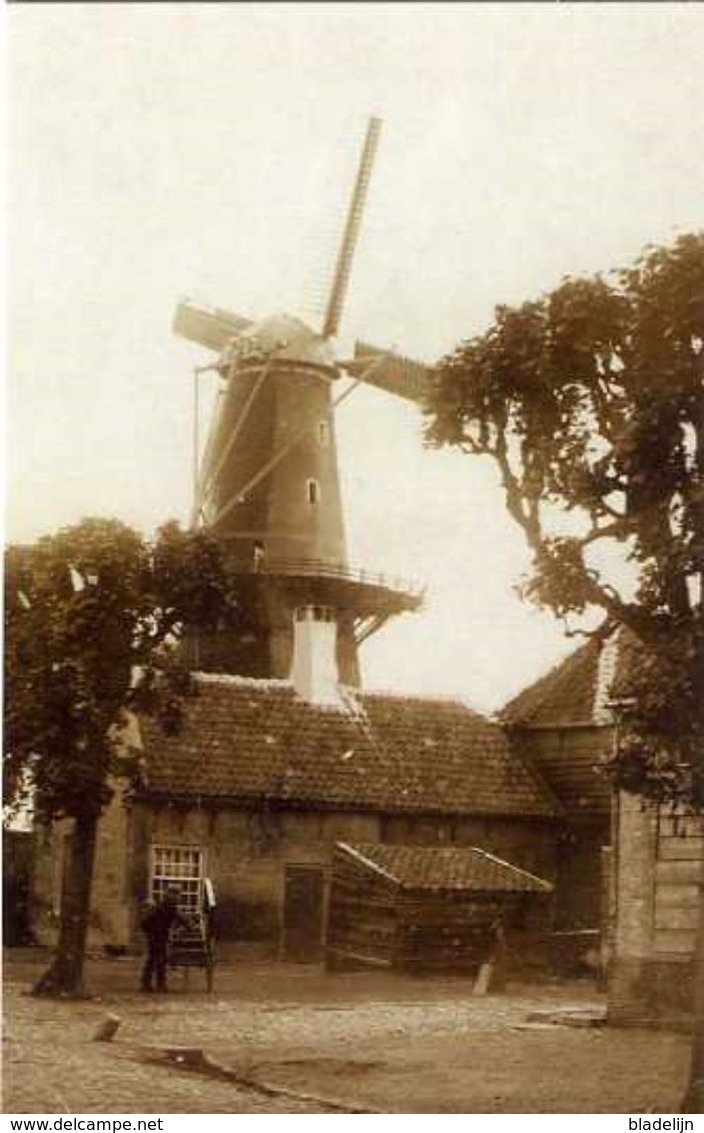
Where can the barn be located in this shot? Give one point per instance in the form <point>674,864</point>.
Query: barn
<point>627,873</point>
<point>428,908</point>
<point>563,724</point>
<point>264,783</point>
<point>261,784</point>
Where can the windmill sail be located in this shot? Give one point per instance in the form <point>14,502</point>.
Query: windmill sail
<point>389,371</point>
<point>351,234</point>
<point>208,326</point>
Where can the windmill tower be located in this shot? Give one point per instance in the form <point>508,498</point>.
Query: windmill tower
<point>268,487</point>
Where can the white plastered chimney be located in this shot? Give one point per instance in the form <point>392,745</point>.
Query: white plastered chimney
<point>606,673</point>
<point>314,666</point>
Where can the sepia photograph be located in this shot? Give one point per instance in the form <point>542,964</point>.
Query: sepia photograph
<point>353,730</point>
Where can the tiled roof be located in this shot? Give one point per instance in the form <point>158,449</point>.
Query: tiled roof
<point>578,690</point>
<point>561,720</point>
<point>445,867</point>
<point>565,696</point>
<point>257,741</point>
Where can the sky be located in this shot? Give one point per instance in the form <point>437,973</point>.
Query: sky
<point>169,150</point>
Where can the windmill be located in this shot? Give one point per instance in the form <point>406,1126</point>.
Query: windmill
<point>268,485</point>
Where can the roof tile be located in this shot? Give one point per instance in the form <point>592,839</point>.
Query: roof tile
<point>570,694</point>
<point>258,741</point>
<point>564,696</point>
<point>445,867</point>
<point>576,694</point>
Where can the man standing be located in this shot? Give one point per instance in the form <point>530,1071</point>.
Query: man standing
<point>157,924</point>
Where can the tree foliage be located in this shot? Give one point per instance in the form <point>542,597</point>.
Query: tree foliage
<point>589,400</point>
<point>91,617</point>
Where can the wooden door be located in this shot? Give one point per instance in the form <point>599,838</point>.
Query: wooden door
<point>304,892</point>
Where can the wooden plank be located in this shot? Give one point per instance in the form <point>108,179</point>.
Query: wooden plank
<point>350,924</point>
<point>375,918</point>
<point>355,912</point>
<point>689,826</point>
<point>411,964</point>
<point>677,873</point>
<point>449,951</point>
<point>681,849</point>
<point>678,896</point>
<point>355,915</point>
<point>440,911</point>
<point>382,940</point>
<point>676,918</point>
<point>446,957</point>
<point>467,944</point>
<point>431,932</point>
<point>367,909</point>
<point>437,914</point>
<point>360,957</point>
<point>356,901</point>
<point>674,940</point>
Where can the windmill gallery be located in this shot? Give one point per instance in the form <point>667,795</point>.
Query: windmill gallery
<point>334,822</point>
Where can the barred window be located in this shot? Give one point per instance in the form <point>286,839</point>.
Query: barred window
<point>182,868</point>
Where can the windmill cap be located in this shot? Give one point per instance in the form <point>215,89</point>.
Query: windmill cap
<point>293,340</point>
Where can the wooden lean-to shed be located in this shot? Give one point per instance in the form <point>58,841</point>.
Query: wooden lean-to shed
<point>423,908</point>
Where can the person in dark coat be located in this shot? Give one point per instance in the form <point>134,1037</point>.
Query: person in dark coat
<point>157,923</point>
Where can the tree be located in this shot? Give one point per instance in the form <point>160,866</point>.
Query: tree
<point>589,401</point>
<point>92,615</point>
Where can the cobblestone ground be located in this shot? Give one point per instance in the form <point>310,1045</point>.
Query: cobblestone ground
<point>51,1065</point>
<point>369,1042</point>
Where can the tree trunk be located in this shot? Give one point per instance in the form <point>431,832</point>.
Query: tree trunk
<point>64,977</point>
<point>693,1101</point>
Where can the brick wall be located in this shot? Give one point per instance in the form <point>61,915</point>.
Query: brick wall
<point>246,854</point>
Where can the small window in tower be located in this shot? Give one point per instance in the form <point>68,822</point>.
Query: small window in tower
<point>259,555</point>
<point>313,491</point>
<point>323,434</point>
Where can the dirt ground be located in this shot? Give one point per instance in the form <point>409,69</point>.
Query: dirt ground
<point>292,1039</point>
